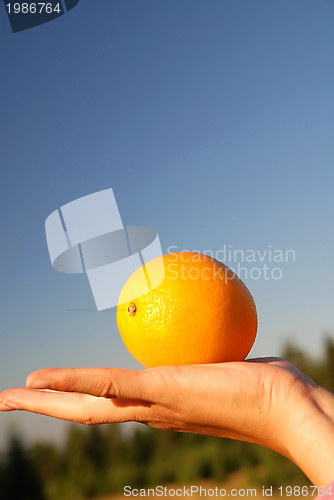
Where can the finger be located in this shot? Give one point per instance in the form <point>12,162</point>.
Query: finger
<point>102,382</point>
<point>4,396</point>
<point>81,408</point>
<point>5,408</point>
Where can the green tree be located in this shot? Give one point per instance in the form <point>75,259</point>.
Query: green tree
<point>19,478</point>
<point>92,462</point>
<point>298,358</point>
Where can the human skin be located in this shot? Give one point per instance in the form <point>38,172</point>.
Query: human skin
<point>266,401</point>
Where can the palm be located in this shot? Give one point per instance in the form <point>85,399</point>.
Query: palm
<point>199,398</point>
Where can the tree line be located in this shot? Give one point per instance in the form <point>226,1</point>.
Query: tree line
<point>101,460</point>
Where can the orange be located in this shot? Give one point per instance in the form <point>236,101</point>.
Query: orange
<point>200,313</point>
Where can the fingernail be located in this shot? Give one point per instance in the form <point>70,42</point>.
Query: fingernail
<point>4,407</point>
<point>38,383</point>
<point>12,405</point>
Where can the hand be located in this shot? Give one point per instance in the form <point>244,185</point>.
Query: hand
<point>266,401</point>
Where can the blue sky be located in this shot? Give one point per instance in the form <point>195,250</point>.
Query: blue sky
<point>213,123</point>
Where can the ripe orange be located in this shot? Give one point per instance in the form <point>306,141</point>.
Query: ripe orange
<point>200,313</point>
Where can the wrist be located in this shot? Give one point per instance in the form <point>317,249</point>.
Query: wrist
<point>309,437</point>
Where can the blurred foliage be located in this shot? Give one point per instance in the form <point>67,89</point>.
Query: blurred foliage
<point>19,477</point>
<point>320,370</point>
<point>101,460</point>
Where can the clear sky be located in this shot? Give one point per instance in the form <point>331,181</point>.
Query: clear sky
<point>213,122</point>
